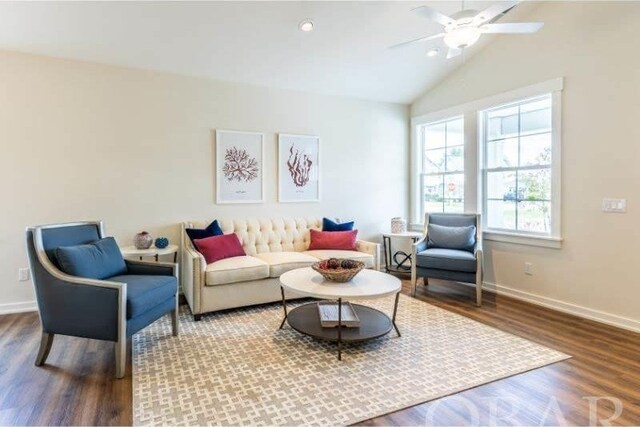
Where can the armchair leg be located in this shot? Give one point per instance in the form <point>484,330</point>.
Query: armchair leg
<point>45,347</point>
<point>197,317</point>
<point>414,281</point>
<point>478,294</point>
<point>479,277</point>
<point>121,357</point>
<point>174,322</point>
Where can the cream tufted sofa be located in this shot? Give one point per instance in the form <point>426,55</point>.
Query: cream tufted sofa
<point>273,247</point>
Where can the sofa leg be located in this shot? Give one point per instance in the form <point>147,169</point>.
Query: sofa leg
<point>426,281</point>
<point>45,347</point>
<point>121,357</point>
<point>197,317</point>
<point>174,322</point>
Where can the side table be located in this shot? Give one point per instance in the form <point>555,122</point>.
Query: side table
<point>131,251</point>
<point>399,261</point>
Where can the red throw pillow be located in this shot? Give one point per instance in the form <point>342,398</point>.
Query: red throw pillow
<point>344,240</point>
<point>216,248</point>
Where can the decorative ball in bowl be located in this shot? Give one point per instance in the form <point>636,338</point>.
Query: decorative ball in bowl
<point>338,270</point>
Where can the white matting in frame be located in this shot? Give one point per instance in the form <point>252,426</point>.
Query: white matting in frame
<point>239,167</point>
<point>298,168</point>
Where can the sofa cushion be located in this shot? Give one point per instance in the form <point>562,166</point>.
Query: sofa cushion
<point>146,292</point>
<point>329,225</point>
<point>447,259</point>
<point>211,230</point>
<point>96,260</point>
<point>281,262</point>
<point>445,237</point>
<point>343,240</point>
<point>331,253</point>
<point>216,248</point>
<point>236,269</point>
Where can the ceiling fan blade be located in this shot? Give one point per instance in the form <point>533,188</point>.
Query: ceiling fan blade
<point>434,15</point>
<point>452,53</point>
<point>513,28</point>
<point>492,12</point>
<point>421,39</point>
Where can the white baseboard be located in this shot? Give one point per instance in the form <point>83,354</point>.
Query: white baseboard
<point>576,310</point>
<point>18,307</point>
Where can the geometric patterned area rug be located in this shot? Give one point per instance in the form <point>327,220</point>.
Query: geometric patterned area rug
<point>238,368</point>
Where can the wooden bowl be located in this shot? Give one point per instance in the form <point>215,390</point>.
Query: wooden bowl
<point>339,275</point>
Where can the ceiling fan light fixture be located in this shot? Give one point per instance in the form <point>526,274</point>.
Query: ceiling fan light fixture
<point>306,25</point>
<point>462,37</point>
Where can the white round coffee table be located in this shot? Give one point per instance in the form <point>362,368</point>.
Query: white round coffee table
<point>368,284</point>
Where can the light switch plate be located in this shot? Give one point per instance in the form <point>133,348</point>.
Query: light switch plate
<point>614,205</point>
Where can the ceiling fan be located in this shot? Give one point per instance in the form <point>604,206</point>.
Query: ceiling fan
<point>464,28</point>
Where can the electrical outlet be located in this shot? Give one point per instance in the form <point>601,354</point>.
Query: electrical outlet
<point>23,274</point>
<point>528,269</point>
<point>614,205</point>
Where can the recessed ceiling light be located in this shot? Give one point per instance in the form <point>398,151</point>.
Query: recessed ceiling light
<point>306,25</point>
<point>433,52</point>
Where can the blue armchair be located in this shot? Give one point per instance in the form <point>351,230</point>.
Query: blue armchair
<point>112,309</point>
<point>456,256</point>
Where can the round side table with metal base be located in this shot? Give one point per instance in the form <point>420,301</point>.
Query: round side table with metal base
<point>399,261</point>
<point>368,284</point>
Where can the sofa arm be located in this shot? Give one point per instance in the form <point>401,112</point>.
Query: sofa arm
<point>193,276</point>
<point>152,268</point>
<point>372,249</point>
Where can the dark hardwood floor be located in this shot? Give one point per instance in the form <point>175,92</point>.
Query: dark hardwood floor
<point>77,385</point>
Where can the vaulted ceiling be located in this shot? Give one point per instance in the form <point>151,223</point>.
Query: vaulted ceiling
<point>251,42</point>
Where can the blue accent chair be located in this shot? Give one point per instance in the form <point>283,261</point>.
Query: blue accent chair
<point>454,264</point>
<point>112,309</point>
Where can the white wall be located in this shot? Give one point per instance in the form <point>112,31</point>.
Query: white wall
<point>134,148</point>
<point>595,47</point>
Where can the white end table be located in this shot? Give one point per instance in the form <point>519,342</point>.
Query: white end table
<point>131,251</point>
<point>392,264</point>
<point>368,284</point>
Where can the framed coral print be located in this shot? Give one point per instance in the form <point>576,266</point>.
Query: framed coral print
<point>298,168</point>
<point>239,167</point>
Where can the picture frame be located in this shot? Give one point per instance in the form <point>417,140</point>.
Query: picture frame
<point>239,163</point>
<point>299,166</point>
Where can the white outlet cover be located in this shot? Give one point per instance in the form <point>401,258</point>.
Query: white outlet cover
<point>23,274</point>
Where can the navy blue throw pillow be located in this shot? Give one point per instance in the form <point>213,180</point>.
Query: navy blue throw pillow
<point>96,260</point>
<point>329,225</point>
<point>212,229</point>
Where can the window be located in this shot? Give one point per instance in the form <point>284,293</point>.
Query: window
<point>498,155</point>
<point>442,169</point>
<point>517,159</point>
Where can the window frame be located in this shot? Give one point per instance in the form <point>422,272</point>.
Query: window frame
<point>423,174</point>
<point>553,167</point>
<point>474,182</point>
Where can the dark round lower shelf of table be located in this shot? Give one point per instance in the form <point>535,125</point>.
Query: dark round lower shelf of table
<point>373,324</point>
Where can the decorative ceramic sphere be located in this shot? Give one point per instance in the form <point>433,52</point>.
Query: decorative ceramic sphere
<point>162,242</point>
<point>142,240</point>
